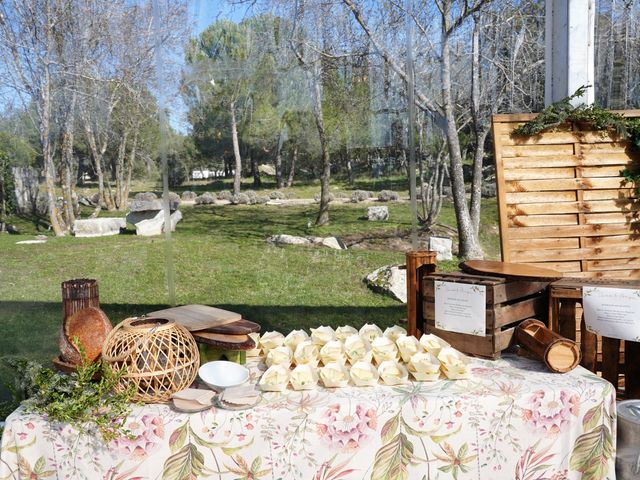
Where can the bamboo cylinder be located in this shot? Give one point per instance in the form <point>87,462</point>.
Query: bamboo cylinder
<point>558,353</point>
<point>79,294</point>
<point>419,263</point>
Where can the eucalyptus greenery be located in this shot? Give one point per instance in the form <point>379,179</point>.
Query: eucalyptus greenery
<point>592,117</point>
<point>86,399</point>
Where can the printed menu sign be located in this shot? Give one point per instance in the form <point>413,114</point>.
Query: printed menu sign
<point>612,312</point>
<point>460,307</point>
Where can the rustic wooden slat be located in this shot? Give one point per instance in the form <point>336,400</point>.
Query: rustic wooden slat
<point>601,171</point>
<point>598,206</point>
<point>615,264</point>
<point>532,307</point>
<point>562,267</point>
<point>539,173</point>
<point>594,230</point>
<point>610,274</point>
<point>616,217</point>
<point>611,240</point>
<point>559,137</point>
<point>606,147</point>
<point>544,243</point>
<point>539,220</point>
<point>518,118</point>
<point>588,347</point>
<point>496,293</point>
<point>500,191</point>
<point>538,197</point>
<point>592,253</point>
<point>536,150</point>
<point>581,160</point>
<point>562,184</point>
<point>624,196</point>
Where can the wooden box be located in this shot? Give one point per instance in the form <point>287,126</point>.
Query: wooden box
<point>509,301</point>
<point>616,360</point>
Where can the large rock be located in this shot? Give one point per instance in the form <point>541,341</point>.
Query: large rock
<point>443,246</point>
<point>390,280</point>
<point>153,205</point>
<point>378,214</point>
<point>152,222</point>
<point>333,242</point>
<point>98,227</point>
<point>288,240</point>
<point>267,170</point>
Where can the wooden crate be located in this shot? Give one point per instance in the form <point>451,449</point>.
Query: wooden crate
<point>562,201</point>
<point>509,301</point>
<point>617,361</point>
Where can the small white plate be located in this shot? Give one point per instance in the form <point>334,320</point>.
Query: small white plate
<point>221,374</point>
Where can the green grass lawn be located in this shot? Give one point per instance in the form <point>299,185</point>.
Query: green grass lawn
<point>220,258</point>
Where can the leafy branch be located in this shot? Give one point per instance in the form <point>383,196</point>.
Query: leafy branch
<point>591,116</point>
<point>84,399</point>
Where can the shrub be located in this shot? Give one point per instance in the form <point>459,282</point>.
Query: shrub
<point>225,195</point>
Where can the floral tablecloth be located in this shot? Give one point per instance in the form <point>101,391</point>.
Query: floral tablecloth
<point>511,420</point>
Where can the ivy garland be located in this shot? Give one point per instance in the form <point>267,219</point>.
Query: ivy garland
<point>589,117</point>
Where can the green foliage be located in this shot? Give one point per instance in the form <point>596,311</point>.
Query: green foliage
<point>594,117</point>
<point>78,399</point>
<point>176,169</point>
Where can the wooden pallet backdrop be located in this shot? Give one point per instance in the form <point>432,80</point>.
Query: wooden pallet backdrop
<point>562,201</point>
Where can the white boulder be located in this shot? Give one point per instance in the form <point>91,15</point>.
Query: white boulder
<point>378,214</point>
<point>390,280</point>
<point>98,227</point>
<point>443,246</point>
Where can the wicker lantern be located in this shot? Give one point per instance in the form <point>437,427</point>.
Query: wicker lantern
<point>160,357</point>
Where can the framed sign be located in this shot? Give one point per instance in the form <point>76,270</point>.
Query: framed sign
<point>460,307</point>
<point>612,312</point>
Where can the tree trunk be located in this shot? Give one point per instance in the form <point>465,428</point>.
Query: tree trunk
<point>120,171</point>
<point>480,130</point>
<point>236,149</point>
<point>257,183</point>
<point>67,161</point>
<point>132,159</point>
<point>292,169</point>
<point>468,245</point>
<point>278,162</point>
<point>323,214</point>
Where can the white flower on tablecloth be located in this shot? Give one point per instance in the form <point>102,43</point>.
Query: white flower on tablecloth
<point>322,335</point>
<point>295,337</point>
<point>145,435</point>
<point>550,412</point>
<point>270,340</point>
<point>394,332</point>
<point>369,332</point>
<point>346,427</point>
<point>345,331</point>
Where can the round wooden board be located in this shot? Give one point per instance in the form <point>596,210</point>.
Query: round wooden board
<point>224,342</point>
<point>490,267</point>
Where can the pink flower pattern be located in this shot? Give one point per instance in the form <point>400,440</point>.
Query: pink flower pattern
<point>146,434</point>
<point>551,411</point>
<point>344,428</point>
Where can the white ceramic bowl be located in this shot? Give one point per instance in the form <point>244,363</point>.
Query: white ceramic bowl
<point>221,374</point>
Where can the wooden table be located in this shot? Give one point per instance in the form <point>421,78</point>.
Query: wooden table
<point>618,362</point>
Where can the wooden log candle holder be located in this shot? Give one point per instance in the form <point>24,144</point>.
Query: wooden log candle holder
<point>560,354</point>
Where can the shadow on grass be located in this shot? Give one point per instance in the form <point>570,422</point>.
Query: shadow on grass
<point>30,329</point>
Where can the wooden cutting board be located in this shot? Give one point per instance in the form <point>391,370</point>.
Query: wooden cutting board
<point>241,327</point>
<point>225,342</point>
<point>197,317</point>
<point>507,269</point>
